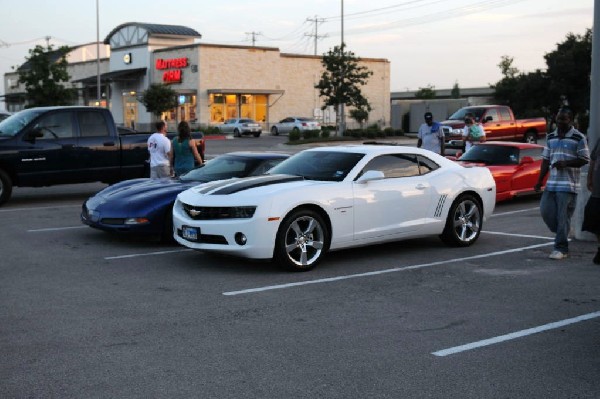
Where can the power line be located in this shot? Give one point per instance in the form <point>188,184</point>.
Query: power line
<point>316,35</point>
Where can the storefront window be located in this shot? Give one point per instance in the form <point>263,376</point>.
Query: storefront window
<point>226,106</point>
<point>185,111</point>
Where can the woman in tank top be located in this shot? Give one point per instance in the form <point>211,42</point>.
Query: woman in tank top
<point>184,150</point>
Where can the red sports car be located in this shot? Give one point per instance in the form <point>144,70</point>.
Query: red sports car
<point>515,166</point>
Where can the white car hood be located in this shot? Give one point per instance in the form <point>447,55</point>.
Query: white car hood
<point>248,190</point>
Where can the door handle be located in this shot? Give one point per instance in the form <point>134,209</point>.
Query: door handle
<point>421,186</point>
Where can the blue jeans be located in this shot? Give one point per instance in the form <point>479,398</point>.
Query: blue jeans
<point>557,208</point>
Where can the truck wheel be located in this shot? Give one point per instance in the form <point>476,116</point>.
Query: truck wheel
<point>5,187</point>
<point>530,137</point>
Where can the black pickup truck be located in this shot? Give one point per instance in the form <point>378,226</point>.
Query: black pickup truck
<point>65,145</point>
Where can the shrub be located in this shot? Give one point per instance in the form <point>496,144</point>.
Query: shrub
<point>325,133</point>
<point>294,136</point>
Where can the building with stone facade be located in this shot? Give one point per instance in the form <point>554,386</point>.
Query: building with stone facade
<point>213,82</point>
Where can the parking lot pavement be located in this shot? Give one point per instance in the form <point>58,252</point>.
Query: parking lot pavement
<point>89,314</point>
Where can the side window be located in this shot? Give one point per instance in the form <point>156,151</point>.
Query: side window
<point>92,124</point>
<point>58,125</point>
<point>505,114</point>
<point>426,165</point>
<point>392,166</point>
<point>535,153</point>
<point>493,113</point>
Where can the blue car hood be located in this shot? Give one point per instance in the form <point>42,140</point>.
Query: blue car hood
<point>144,190</point>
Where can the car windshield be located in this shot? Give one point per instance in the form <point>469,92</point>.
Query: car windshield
<point>460,114</point>
<point>492,155</point>
<point>14,123</point>
<point>319,165</point>
<point>223,167</point>
<point>247,121</point>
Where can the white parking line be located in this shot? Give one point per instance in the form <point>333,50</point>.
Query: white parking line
<point>375,273</point>
<point>147,254</point>
<point>38,208</point>
<point>517,235</point>
<point>513,212</point>
<point>514,335</point>
<point>56,229</point>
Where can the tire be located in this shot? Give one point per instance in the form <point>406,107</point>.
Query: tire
<point>5,187</point>
<point>257,134</point>
<point>464,222</point>
<point>236,133</point>
<point>530,137</point>
<point>301,241</point>
<point>274,131</point>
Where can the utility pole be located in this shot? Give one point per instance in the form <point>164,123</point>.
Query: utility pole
<point>316,21</point>
<point>254,34</point>
<point>47,38</point>
<point>342,126</point>
<point>98,89</point>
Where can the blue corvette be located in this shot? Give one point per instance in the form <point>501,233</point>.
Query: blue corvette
<point>144,206</point>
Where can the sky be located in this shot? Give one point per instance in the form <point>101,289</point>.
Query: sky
<point>430,43</point>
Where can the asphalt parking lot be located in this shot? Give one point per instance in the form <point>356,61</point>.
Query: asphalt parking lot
<point>89,314</point>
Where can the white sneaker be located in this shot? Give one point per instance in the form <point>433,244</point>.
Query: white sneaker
<point>557,255</point>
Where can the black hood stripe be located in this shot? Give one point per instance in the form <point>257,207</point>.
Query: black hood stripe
<point>246,184</point>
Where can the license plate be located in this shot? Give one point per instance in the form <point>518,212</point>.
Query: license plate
<point>190,233</point>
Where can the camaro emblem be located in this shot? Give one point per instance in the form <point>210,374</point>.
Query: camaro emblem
<point>194,213</point>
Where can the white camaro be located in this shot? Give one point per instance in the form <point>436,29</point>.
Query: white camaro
<point>330,198</point>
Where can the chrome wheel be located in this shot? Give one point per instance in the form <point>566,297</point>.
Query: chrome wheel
<point>464,222</point>
<point>301,241</point>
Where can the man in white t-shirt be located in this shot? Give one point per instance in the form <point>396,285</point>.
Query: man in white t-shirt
<point>431,135</point>
<point>159,147</point>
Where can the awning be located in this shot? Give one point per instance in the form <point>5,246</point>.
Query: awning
<point>245,91</point>
<point>115,76</point>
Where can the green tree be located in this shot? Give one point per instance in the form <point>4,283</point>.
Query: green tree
<point>565,80</point>
<point>43,75</point>
<point>455,92</point>
<point>426,92</point>
<point>569,71</point>
<point>159,98</point>
<point>342,79</point>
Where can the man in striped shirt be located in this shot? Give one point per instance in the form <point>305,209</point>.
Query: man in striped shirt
<point>565,153</point>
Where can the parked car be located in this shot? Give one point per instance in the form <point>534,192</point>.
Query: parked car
<point>329,198</point>
<point>143,206</point>
<point>64,145</point>
<point>514,166</point>
<point>295,124</point>
<point>498,122</point>
<point>240,126</point>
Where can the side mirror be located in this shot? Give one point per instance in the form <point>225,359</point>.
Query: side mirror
<point>488,119</point>
<point>370,175</point>
<point>526,160</point>
<point>458,154</point>
<point>33,134</point>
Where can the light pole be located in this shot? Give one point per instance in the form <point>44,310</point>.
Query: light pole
<point>342,117</point>
<point>98,91</point>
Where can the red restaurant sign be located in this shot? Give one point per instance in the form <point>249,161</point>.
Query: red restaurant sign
<point>175,64</point>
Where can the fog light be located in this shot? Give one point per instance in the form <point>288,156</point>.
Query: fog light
<point>240,239</point>
<point>136,221</point>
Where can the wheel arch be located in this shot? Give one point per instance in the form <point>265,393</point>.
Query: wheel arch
<point>318,209</point>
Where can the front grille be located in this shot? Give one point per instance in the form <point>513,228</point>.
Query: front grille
<point>213,213</point>
<point>113,221</point>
